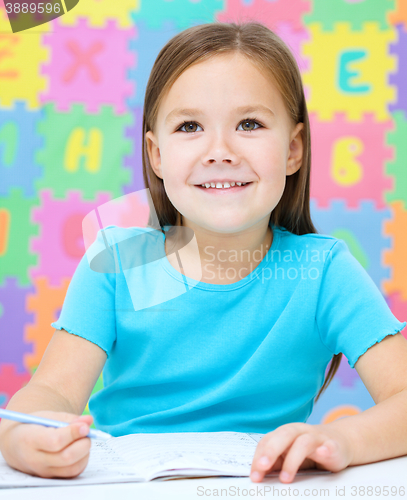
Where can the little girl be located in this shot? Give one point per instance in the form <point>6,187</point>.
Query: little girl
<point>237,334</point>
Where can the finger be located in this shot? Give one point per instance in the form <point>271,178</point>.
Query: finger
<point>50,439</point>
<point>65,472</point>
<point>84,418</point>
<point>328,456</point>
<point>70,455</point>
<point>271,446</point>
<point>304,446</point>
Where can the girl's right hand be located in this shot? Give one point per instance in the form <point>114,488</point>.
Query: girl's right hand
<point>47,451</point>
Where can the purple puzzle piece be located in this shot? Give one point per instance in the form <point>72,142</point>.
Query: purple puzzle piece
<point>399,79</point>
<point>12,322</point>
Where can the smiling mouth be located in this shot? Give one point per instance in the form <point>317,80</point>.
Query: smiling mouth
<point>232,189</point>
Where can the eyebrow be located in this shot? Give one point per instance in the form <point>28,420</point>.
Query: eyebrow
<point>178,112</point>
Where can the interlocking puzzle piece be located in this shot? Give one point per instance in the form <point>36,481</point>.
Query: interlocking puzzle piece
<point>98,12</point>
<point>20,57</point>
<point>185,13</point>
<point>18,143</point>
<point>294,38</point>
<point>398,307</point>
<point>85,67</point>
<point>399,79</point>
<point>134,162</point>
<point>267,12</point>
<point>45,303</point>
<point>397,167</point>
<point>146,46</point>
<point>348,158</point>
<point>84,151</point>
<point>400,14</point>
<point>357,13</point>
<point>14,316</point>
<point>396,256</point>
<point>361,229</point>
<point>60,245</point>
<point>15,230</point>
<point>348,401</point>
<point>349,71</point>
<point>11,381</point>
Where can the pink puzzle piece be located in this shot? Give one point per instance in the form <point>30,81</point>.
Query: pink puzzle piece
<point>60,245</point>
<point>10,382</point>
<point>89,66</point>
<point>267,12</point>
<point>348,160</point>
<point>294,38</point>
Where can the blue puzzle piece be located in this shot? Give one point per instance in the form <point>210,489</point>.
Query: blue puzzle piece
<point>336,396</point>
<point>18,143</point>
<point>147,46</point>
<point>12,323</point>
<point>362,231</point>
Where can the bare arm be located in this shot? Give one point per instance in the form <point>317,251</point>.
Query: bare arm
<point>62,383</point>
<point>380,432</point>
<point>64,379</point>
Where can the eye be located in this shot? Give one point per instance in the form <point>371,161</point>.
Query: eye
<point>187,123</point>
<point>250,120</point>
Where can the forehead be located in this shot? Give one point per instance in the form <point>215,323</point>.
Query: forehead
<point>226,79</point>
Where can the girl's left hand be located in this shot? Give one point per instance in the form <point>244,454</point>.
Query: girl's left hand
<point>300,446</point>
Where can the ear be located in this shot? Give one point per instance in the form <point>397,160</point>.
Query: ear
<point>153,153</point>
<point>294,160</point>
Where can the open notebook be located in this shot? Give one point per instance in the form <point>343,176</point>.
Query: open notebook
<point>144,457</point>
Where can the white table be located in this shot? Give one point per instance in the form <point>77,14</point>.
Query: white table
<point>386,479</point>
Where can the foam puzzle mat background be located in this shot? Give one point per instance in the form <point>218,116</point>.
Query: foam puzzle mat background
<point>71,97</point>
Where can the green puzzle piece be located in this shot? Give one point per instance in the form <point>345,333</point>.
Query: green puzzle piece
<point>329,12</point>
<point>398,167</point>
<point>98,387</point>
<point>84,151</point>
<point>17,257</point>
<point>354,247</point>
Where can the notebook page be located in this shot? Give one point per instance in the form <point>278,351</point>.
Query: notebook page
<point>227,452</point>
<point>104,466</point>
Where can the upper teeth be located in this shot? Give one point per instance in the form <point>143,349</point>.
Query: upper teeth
<point>219,185</point>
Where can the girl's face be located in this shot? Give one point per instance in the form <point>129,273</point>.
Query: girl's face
<point>222,141</point>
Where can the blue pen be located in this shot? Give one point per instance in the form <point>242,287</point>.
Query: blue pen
<point>32,419</point>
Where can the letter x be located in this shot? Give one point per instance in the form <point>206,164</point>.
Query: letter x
<point>83,58</point>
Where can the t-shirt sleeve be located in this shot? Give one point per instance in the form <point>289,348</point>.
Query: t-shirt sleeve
<point>89,306</point>
<point>352,314</point>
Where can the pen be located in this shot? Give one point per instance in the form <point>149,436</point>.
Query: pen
<point>32,419</point>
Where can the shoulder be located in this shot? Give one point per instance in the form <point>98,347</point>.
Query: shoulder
<point>308,241</point>
<point>113,246</point>
<point>115,234</point>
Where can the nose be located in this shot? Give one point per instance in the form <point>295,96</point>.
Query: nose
<point>220,151</point>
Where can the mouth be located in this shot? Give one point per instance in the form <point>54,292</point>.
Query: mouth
<point>232,189</point>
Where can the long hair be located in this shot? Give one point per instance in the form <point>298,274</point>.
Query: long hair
<point>269,54</point>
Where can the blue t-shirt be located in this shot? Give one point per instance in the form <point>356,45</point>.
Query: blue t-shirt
<point>246,357</point>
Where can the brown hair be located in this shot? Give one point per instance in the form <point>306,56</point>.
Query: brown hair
<point>270,54</point>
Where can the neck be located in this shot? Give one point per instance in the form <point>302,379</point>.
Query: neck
<point>224,258</point>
